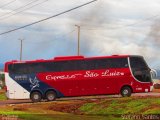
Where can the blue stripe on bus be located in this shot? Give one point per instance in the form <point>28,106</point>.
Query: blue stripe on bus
<point>30,82</point>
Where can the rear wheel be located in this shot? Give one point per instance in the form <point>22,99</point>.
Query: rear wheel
<point>126,92</point>
<point>36,97</point>
<point>51,96</point>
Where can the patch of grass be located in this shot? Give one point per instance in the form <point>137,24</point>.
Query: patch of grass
<point>37,115</point>
<point>105,109</point>
<point>31,116</point>
<point>156,101</point>
<point>155,110</point>
<point>135,106</point>
<point>88,107</point>
<point>3,96</point>
<point>119,107</point>
<point>26,115</point>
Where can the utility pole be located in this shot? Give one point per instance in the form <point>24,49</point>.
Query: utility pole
<point>21,49</point>
<point>78,47</point>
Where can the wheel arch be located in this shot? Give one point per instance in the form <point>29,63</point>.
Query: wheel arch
<point>126,86</point>
<point>50,90</point>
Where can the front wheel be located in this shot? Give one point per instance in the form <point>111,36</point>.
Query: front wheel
<point>36,97</point>
<point>126,92</point>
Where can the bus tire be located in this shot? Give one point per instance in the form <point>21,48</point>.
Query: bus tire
<point>51,96</point>
<point>126,91</point>
<point>36,96</point>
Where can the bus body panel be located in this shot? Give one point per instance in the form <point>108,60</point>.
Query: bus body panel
<point>14,90</point>
<point>85,82</point>
<point>20,86</point>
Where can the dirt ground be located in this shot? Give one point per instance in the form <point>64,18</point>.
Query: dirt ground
<point>156,90</point>
<point>64,108</point>
<point>65,105</point>
<point>58,107</point>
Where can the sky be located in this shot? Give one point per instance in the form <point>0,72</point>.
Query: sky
<point>108,27</point>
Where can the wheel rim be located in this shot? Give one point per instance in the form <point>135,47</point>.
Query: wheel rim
<point>50,97</point>
<point>125,92</point>
<point>36,96</point>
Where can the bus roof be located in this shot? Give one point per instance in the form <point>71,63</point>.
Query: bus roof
<point>64,58</point>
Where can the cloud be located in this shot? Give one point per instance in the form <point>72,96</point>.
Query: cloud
<point>104,30</point>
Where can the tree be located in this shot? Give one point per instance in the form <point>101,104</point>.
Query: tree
<point>2,80</point>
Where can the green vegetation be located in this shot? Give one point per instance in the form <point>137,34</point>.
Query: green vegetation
<point>122,106</point>
<point>17,111</point>
<point>110,109</point>
<point>2,81</point>
<point>31,116</point>
<point>24,115</point>
<point>3,96</point>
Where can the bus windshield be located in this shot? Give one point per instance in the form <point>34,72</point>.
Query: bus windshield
<point>140,69</point>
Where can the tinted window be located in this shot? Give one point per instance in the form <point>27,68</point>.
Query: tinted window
<point>138,62</point>
<point>140,69</point>
<point>74,65</point>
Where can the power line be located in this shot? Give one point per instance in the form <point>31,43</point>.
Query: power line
<point>49,17</point>
<point>19,8</point>
<point>23,10</point>
<point>7,4</point>
<point>30,3</point>
<point>128,25</point>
